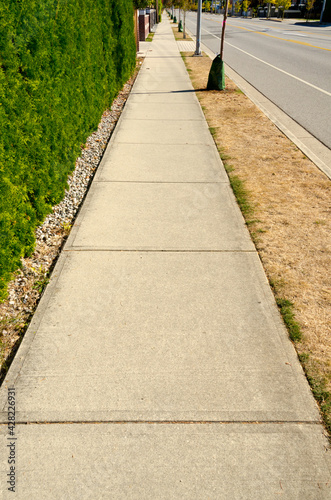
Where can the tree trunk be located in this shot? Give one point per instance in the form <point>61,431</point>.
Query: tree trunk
<point>184,28</point>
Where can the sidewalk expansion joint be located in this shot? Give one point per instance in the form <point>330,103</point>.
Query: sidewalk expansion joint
<point>167,119</point>
<point>196,143</point>
<point>92,249</point>
<point>160,182</point>
<point>168,422</point>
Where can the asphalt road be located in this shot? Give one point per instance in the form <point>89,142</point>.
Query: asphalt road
<point>289,63</point>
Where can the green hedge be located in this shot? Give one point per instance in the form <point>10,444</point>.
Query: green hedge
<point>61,64</point>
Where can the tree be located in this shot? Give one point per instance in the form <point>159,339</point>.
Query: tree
<point>245,6</point>
<point>282,5</point>
<point>237,6</point>
<point>140,4</point>
<point>309,6</point>
<point>216,78</point>
<point>185,5</point>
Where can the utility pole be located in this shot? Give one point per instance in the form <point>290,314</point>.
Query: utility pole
<point>198,41</point>
<point>322,13</point>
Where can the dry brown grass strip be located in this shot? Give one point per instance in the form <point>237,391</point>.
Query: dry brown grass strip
<point>180,35</point>
<point>291,199</point>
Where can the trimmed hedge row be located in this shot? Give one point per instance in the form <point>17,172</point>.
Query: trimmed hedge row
<point>61,64</point>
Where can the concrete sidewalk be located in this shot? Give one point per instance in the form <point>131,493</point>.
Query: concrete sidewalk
<point>159,317</point>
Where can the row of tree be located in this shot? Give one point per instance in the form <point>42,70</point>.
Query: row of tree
<point>143,4</point>
<point>240,6</point>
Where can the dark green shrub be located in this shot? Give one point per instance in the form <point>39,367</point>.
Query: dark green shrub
<point>61,64</point>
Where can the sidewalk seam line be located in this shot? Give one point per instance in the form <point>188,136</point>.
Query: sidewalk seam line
<point>168,422</point>
<point>91,249</point>
<point>160,182</point>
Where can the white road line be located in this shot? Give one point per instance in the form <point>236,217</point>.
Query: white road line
<point>272,66</point>
<point>292,33</point>
<point>281,70</point>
